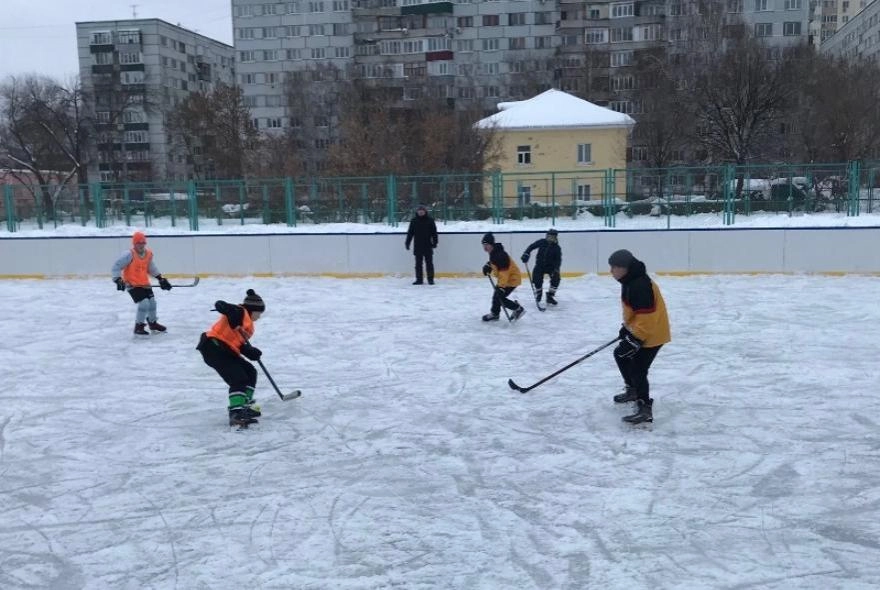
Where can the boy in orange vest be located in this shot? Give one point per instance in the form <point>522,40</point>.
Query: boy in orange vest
<point>133,271</point>
<point>222,348</point>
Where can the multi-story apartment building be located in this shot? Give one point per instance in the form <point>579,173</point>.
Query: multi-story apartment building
<point>469,50</point>
<point>858,38</point>
<point>137,71</point>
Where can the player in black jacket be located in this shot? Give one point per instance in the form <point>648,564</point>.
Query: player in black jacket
<point>548,261</point>
<point>422,234</point>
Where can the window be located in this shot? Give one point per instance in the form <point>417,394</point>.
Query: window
<point>544,18</point>
<point>621,34</point>
<point>524,194</point>
<point>129,37</point>
<point>491,44</point>
<point>544,42</point>
<point>340,5</point>
<point>104,58</point>
<point>583,192</point>
<point>132,77</point>
<point>101,38</point>
<point>585,153</point>
<point>491,20</point>
<point>735,6</point>
<point>622,9</point>
<point>797,5</point>
<point>791,28</point>
<point>248,78</point>
<point>132,117</point>
<point>761,5</point>
<point>517,43</point>
<point>317,53</point>
<point>594,14</point>
<point>524,155</point>
<point>316,7</point>
<point>763,29</point>
<point>135,137</point>
<point>516,18</point>
<point>133,57</point>
<point>594,36</point>
<point>621,58</point>
<point>270,55</point>
<point>340,29</point>
<point>619,83</point>
<point>343,52</point>
<point>246,56</point>
<point>621,106</point>
<point>464,22</point>
<point>315,30</point>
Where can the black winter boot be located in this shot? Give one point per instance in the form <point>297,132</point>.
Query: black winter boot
<point>156,327</point>
<point>139,329</point>
<point>644,413</point>
<point>491,317</point>
<point>626,396</point>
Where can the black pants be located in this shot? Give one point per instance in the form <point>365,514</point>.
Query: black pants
<point>499,298</point>
<point>428,258</point>
<point>634,370</point>
<point>232,368</point>
<point>538,277</point>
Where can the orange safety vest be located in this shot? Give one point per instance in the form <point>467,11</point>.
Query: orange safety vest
<point>136,273</point>
<point>232,337</point>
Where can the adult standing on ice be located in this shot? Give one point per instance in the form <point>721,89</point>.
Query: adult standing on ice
<point>422,234</point>
<point>132,271</point>
<point>645,330</point>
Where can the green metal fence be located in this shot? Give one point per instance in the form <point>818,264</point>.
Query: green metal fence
<point>604,198</point>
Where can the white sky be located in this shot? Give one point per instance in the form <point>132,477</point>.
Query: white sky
<point>40,36</point>
<point>409,463</point>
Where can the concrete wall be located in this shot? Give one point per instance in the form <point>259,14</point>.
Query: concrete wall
<point>825,250</point>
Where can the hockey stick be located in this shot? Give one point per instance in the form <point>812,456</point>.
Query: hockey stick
<point>194,282</point>
<point>494,288</point>
<point>565,368</point>
<point>284,396</point>
<point>534,291</point>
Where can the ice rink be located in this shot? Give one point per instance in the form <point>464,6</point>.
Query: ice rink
<point>409,463</point>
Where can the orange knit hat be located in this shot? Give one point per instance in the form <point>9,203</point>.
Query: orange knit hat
<point>139,238</point>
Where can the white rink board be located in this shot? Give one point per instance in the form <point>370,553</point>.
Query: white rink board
<point>772,250</point>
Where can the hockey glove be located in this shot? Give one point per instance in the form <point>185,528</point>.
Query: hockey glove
<point>120,284</point>
<point>163,283</point>
<point>487,269</point>
<point>629,344</point>
<point>525,257</point>
<point>234,314</point>
<point>251,352</point>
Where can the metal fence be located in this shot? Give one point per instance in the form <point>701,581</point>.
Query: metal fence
<point>609,198</point>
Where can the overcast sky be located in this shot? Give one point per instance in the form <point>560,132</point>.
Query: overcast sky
<point>40,35</point>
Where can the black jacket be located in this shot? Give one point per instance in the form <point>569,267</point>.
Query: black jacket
<point>422,234</point>
<point>549,256</point>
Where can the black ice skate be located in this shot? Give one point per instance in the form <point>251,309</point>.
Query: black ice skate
<point>627,395</point>
<point>491,317</point>
<point>139,329</point>
<point>551,299</point>
<point>517,313</point>
<point>644,413</point>
<point>243,417</point>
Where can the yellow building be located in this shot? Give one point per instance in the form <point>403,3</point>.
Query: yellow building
<point>558,148</point>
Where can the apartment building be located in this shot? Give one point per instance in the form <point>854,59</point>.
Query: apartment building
<point>138,70</point>
<point>475,52</point>
<point>857,38</point>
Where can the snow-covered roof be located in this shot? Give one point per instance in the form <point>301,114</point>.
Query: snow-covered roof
<point>554,109</point>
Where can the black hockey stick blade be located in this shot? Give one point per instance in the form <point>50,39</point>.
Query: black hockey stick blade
<point>193,283</point>
<point>292,395</point>
<point>516,387</point>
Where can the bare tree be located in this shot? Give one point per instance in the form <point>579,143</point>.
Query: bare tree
<point>216,132</point>
<point>44,130</point>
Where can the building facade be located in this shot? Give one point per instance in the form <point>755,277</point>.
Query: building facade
<point>476,52</point>
<point>137,72</point>
<point>858,37</point>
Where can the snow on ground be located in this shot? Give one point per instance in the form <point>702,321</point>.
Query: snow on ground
<point>163,226</point>
<point>409,463</point>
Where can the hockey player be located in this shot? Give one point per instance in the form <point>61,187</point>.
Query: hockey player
<point>132,271</point>
<point>508,278</point>
<point>222,348</point>
<point>548,261</point>
<point>645,330</point>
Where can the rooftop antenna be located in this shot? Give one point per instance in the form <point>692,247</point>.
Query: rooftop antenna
<point>134,10</point>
